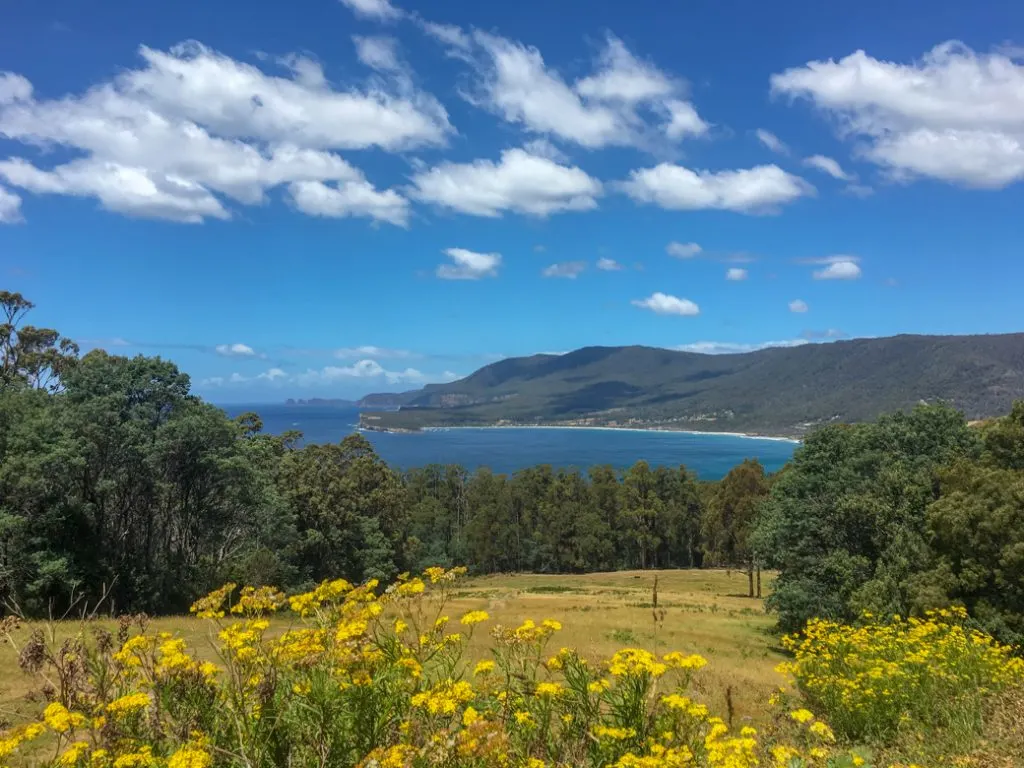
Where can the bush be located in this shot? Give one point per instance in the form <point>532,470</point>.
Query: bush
<point>929,675</point>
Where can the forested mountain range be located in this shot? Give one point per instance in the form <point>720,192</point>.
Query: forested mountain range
<point>771,391</point>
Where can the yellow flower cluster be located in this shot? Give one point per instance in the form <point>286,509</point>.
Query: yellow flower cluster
<point>636,662</point>
<point>128,705</point>
<point>874,679</point>
<point>60,719</point>
<point>375,678</point>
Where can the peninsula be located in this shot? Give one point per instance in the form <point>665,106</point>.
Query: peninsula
<point>778,392</point>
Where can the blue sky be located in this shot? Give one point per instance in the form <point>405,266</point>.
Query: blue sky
<point>331,198</point>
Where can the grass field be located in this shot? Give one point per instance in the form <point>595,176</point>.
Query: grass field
<point>706,612</point>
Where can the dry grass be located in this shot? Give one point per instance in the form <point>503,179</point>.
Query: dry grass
<point>706,612</point>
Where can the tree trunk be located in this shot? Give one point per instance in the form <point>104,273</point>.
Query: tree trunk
<point>750,579</point>
<point>759,582</point>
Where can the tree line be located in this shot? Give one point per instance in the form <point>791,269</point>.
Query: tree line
<point>119,487</point>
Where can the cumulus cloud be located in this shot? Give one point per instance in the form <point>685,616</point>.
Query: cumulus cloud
<point>624,101</point>
<point>683,250</point>
<point>521,182</point>
<point>736,273</point>
<point>838,270</point>
<point>955,114</point>
<point>192,126</point>
<point>10,207</point>
<point>829,166</point>
<point>353,198</point>
<point>608,265</point>
<point>735,348</point>
<point>235,350</point>
<point>569,269</point>
<point>752,190</point>
<point>469,265</point>
<point>665,304</point>
<point>798,305</point>
<point>773,142</point>
<point>378,10</point>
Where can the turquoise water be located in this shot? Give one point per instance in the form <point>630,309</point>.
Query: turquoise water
<point>508,449</point>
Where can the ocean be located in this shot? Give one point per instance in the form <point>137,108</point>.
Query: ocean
<point>507,449</point>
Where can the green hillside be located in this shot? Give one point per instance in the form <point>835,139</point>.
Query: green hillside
<point>772,391</point>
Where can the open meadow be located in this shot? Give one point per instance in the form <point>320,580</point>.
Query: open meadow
<point>552,650</point>
<point>705,612</point>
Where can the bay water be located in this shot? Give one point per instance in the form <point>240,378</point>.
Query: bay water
<point>507,449</point>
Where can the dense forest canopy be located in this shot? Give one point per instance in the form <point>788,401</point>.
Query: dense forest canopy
<point>119,487</point>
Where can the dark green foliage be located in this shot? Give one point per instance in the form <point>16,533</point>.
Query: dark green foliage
<point>118,486</point>
<point>733,511</point>
<point>774,391</point>
<point>845,523</point>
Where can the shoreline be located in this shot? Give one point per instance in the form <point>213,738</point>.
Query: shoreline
<point>702,433</point>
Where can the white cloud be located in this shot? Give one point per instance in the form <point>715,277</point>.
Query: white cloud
<point>10,207</point>
<point>736,348</point>
<point>829,166</point>
<point>622,77</point>
<point>664,304</point>
<point>469,265</point>
<point>683,250</point>
<point>838,270</point>
<point>378,52</point>
<point>735,273</point>
<point>166,139</point>
<point>608,265</point>
<point>379,10</point>
<point>521,182</point>
<point>448,34</point>
<point>569,269</point>
<point>349,198</point>
<point>14,88</point>
<point>954,115</point>
<point>368,369</point>
<point>798,305</point>
<point>752,190</point>
<point>122,189</point>
<point>235,350</point>
<point>829,259</point>
<point>773,142</point>
<point>623,102</point>
<point>683,120</point>
<point>382,353</point>
<point>544,148</point>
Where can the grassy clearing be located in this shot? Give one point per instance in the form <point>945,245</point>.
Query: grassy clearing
<point>705,613</point>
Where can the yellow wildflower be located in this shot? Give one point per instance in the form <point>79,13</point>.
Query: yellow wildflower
<point>474,617</point>
<point>802,715</point>
<point>190,756</point>
<point>60,719</point>
<point>128,705</point>
<point>73,753</point>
